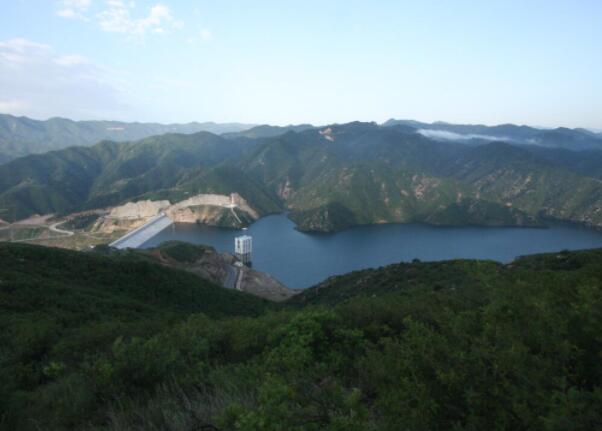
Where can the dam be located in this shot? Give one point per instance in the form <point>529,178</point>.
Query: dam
<point>140,235</point>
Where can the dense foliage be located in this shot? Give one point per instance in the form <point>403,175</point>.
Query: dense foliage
<point>59,310</point>
<point>116,342</point>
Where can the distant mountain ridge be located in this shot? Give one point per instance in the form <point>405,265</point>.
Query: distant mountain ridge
<point>561,137</point>
<point>267,131</point>
<point>20,136</point>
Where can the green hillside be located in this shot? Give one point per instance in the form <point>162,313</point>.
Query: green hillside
<point>362,173</point>
<point>108,173</point>
<point>59,309</point>
<point>328,178</point>
<point>117,342</point>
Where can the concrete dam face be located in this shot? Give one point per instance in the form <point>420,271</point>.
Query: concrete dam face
<point>139,236</point>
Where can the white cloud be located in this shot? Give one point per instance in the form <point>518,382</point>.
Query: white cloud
<point>70,60</point>
<point>206,35</point>
<point>117,18</point>
<point>452,136</point>
<point>73,9</point>
<point>18,51</point>
<point>37,81</point>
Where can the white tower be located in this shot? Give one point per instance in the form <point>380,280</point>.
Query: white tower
<point>243,246</point>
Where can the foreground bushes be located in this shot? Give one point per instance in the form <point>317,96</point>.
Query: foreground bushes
<point>519,348</point>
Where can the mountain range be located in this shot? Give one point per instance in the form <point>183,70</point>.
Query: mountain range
<point>20,136</point>
<point>328,178</point>
<point>561,137</point>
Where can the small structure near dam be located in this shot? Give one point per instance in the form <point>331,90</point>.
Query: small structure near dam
<point>243,246</point>
<point>140,235</point>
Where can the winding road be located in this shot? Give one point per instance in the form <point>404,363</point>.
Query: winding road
<point>53,227</point>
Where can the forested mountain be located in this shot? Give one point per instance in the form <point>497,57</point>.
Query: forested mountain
<point>586,162</point>
<point>361,173</point>
<point>20,136</point>
<point>167,166</point>
<point>120,342</point>
<point>330,178</point>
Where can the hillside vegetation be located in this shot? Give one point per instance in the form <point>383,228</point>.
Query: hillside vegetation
<point>117,342</point>
<point>327,178</point>
<point>361,174</point>
<point>164,167</point>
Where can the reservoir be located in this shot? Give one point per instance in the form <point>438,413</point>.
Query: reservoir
<point>301,260</point>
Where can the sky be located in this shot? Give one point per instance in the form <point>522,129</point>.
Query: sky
<point>289,62</point>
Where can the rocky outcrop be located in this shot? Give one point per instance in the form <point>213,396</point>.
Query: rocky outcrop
<point>211,209</point>
<point>265,286</point>
<point>210,200</point>
<point>196,214</point>
<point>138,210</point>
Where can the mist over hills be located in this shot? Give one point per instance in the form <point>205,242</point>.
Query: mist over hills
<point>561,137</point>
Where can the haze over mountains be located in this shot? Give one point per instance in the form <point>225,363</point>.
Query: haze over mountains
<point>331,177</point>
<point>561,137</point>
<point>20,136</point>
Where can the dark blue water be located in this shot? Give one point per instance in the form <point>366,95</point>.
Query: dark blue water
<point>301,260</point>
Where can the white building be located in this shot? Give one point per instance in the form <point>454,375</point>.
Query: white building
<point>243,246</point>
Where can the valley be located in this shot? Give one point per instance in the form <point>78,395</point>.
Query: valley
<point>301,259</point>
<point>249,216</point>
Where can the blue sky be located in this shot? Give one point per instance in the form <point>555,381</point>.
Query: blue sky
<point>528,62</point>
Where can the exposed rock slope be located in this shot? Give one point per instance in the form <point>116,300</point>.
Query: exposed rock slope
<point>219,268</point>
<point>210,209</point>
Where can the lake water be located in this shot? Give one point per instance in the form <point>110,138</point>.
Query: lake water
<point>301,260</point>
